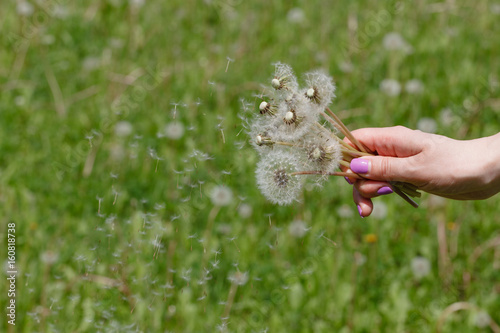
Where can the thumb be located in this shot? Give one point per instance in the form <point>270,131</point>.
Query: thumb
<point>383,168</point>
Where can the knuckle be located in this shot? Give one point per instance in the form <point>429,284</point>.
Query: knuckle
<point>385,169</point>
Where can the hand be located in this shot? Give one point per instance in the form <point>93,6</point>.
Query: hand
<point>462,170</point>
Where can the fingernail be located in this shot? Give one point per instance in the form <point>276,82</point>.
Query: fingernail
<point>384,190</point>
<point>360,211</point>
<point>360,165</point>
<point>348,181</point>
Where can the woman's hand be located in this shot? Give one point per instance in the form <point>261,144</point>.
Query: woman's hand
<point>462,170</point>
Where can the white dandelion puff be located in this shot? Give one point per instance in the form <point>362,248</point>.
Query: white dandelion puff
<point>221,196</point>
<point>320,89</point>
<point>49,257</point>
<point>123,128</point>
<point>393,41</point>
<point>298,229</point>
<point>275,179</point>
<point>284,80</point>
<point>294,118</point>
<point>420,267</point>
<point>379,211</point>
<point>427,125</point>
<point>322,154</point>
<point>295,15</point>
<point>239,278</point>
<point>245,210</point>
<point>414,87</point>
<point>390,87</point>
<point>174,130</point>
<point>482,319</point>
<point>24,8</point>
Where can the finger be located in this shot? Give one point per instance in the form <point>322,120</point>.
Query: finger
<point>350,180</point>
<point>364,205</point>
<point>384,168</point>
<point>372,188</point>
<point>395,141</point>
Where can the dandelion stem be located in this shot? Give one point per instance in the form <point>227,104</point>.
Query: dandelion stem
<point>339,140</point>
<point>355,153</point>
<point>333,122</point>
<point>346,130</point>
<point>282,143</point>
<point>345,163</point>
<point>343,174</point>
<point>208,233</point>
<point>230,299</point>
<point>223,137</point>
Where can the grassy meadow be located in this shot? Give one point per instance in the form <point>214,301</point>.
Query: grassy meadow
<point>119,120</point>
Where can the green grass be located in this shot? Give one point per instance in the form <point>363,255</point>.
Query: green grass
<point>65,78</point>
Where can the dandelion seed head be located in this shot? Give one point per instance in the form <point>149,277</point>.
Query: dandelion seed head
<point>420,267</point>
<point>346,67</point>
<point>359,259</point>
<point>91,63</point>
<point>295,117</point>
<point>245,210</point>
<point>321,154</point>
<point>24,8</point>
<point>174,130</point>
<point>379,211</point>
<point>295,15</point>
<point>239,278</point>
<point>390,87</point>
<point>393,41</point>
<point>495,8</point>
<point>221,196</point>
<point>274,177</point>
<point>261,134</point>
<point>427,125</point>
<point>414,87</point>
<point>447,117</point>
<point>137,3</point>
<point>320,89</point>
<point>298,229</point>
<point>123,128</point>
<point>284,80</point>
<point>345,211</point>
<point>482,319</point>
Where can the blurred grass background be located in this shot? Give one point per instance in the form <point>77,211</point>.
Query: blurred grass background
<point>119,118</point>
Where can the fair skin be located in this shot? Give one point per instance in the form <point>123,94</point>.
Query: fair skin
<point>455,169</point>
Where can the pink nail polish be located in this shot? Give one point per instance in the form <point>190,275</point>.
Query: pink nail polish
<point>360,211</point>
<point>348,181</point>
<point>360,165</point>
<point>384,190</point>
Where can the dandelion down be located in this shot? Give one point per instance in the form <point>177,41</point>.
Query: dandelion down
<point>296,136</point>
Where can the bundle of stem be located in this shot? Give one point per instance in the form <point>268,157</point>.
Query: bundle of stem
<point>404,190</point>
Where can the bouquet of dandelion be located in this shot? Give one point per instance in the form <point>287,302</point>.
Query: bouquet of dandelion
<point>296,135</point>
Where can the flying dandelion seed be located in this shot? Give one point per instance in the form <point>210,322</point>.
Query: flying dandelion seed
<point>229,60</point>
